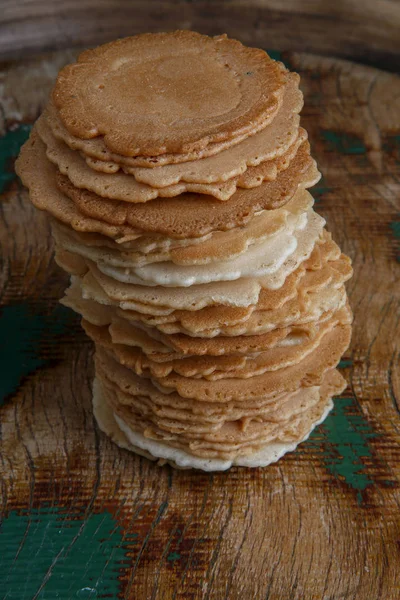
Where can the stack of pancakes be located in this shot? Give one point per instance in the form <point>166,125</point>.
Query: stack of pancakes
<point>175,172</point>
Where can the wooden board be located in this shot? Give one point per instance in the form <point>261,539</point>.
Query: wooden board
<point>366,31</point>
<point>84,519</point>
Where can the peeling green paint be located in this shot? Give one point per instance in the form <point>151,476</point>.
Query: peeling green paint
<point>10,145</point>
<point>345,362</point>
<point>320,189</point>
<point>395,227</point>
<point>173,556</point>
<point>392,144</point>
<point>48,554</point>
<point>343,142</point>
<point>277,55</point>
<point>24,334</point>
<point>343,440</point>
<point>314,98</point>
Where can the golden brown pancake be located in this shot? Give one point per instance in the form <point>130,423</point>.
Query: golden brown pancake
<point>217,162</point>
<point>122,186</point>
<point>151,248</point>
<point>191,215</point>
<point>211,367</point>
<point>168,92</point>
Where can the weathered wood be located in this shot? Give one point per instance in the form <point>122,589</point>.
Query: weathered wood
<point>79,514</point>
<point>366,31</point>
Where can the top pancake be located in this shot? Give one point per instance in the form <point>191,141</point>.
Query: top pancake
<point>267,144</point>
<point>168,93</point>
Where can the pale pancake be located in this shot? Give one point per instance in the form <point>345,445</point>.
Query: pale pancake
<point>161,347</point>
<point>240,292</point>
<point>194,323</point>
<point>285,326</point>
<point>121,186</point>
<point>318,303</point>
<point>307,303</point>
<point>136,442</point>
<point>316,286</point>
<point>168,92</point>
<point>263,258</point>
<point>219,245</point>
<point>240,452</point>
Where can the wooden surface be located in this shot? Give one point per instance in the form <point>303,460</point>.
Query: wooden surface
<point>367,31</point>
<point>84,519</point>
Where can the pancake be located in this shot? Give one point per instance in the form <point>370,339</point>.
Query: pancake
<point>213,368</point>
<point>100,158</point>
<point>45,195</point>
<point>163,300</point>
<point>269,452</point>
<point>221,444</point>
<point>187,413</point>
<point>226,435</point>
<point>258,390</point>
<point>283,326</point>
<point>187,216</point>
<point>172,420</point>
<point>220,245</point>
<point>121,186</point>
<point>168,93</point>
<point>217,320</point>
<point>260,259</point>
<point>313,289</point>
<point>161,346</point>
<point>309,371</point>
<point>179,459</point>
<point>129,387</point>
<point>192,215</point>
<point>318,303</point>
<point>223,164</point>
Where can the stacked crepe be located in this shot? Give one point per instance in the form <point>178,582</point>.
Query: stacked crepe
<point>175,172</point>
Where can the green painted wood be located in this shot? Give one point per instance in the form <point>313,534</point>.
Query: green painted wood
<point>54,553</point>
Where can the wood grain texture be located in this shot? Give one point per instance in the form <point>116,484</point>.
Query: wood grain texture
<point>366,31</point>
<point>84,519</point>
